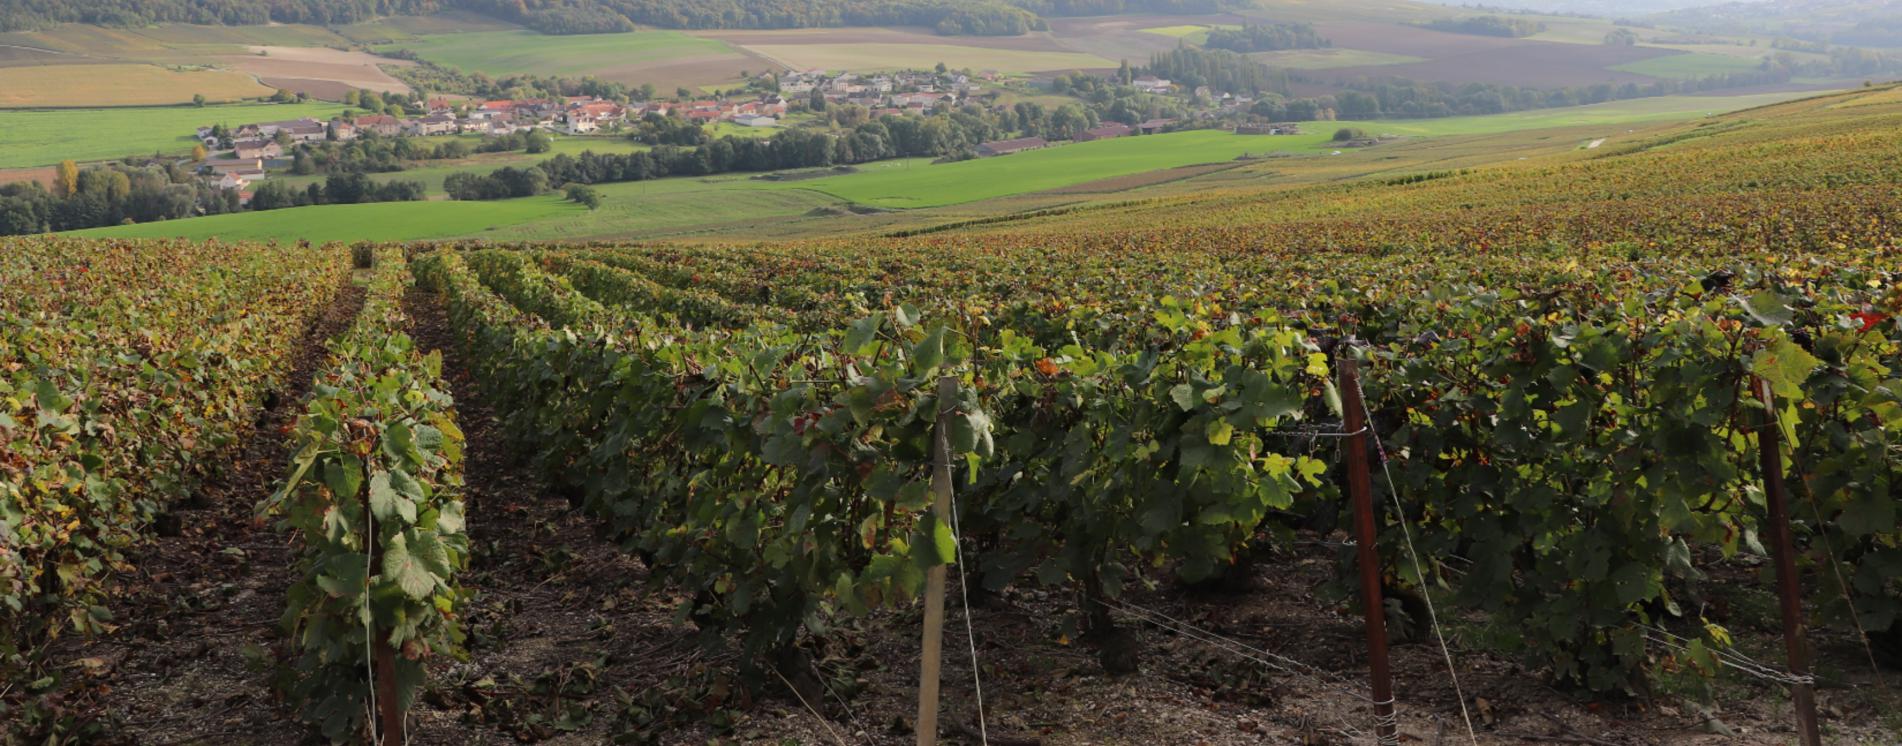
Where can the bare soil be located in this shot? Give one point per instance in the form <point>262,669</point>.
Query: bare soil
<point>358,70</point>
<point>1467,58</point>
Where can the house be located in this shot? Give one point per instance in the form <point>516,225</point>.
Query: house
<point>492,109</point>
<point>1006,147</point>
<point>1105,132</point>
<point>233,181</point>
<point>301,130</point>
<point>434,124</point>
<point>1268,129</point>
<point>381,124</point>
<point>579,123</point>
<point>345,129</point>
<point>1154,126</point>
<point>602,110</point>
<point>309,130</point>
<point>239,166</point>
<point>257,150</point>
<point>1152,84</point>
<point>756,121</point>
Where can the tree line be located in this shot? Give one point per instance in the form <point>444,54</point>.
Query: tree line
<point>967,17</point>
<point>1224,71</point>
<point>1501,26</point>
<point>110,194</point>
<point>1267,37</point>
<point>338,189</point>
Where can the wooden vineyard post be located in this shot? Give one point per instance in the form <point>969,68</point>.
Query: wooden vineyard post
<point>1789,598</point>
<point>928,676</point>
<point>1360,489</point>
<point>389,704</point>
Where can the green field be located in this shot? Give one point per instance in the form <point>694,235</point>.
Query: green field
<point>923,184</point>
<point>1691,65</point>
<point>515,52</point>
<point>42,137</point>
<point>383,221</point>
<point>677,206</point>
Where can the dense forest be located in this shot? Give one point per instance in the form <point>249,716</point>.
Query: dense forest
<point>971,17</point>
<point>22,15</point>
<point>1511,28</point>
<point>1269,37</point>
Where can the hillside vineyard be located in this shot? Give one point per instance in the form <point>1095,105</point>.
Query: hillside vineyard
<point>1563,363</point>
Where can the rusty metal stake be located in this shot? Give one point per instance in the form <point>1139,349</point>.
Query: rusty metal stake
<point>1360,489</point>
<point>389,705</point>
<point>1789,597</point>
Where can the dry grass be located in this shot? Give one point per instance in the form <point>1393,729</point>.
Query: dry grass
<point>122,85</point>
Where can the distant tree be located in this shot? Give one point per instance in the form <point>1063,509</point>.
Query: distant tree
<point>1124,74</point>
<point>1346,134</point>
<point>647,91</point>
<point>1622,37</point>
<point>682,93</point>
<point>352,98</point>
<point>941,68</point>
<point>817,102</point>
<point>199,153</point>
<point>66,182</point>
<point>198,99</point>
<point>539,142</point>
<point>585,195</point>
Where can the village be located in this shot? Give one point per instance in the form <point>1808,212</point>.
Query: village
<point>245,154</point>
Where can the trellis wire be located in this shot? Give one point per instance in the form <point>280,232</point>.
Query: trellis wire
<point>1433,617</point>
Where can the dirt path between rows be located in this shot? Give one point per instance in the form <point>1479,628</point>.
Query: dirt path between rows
<point>191,660</point>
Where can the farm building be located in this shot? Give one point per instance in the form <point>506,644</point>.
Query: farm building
<point>1288,128</point>
<point>1006,147</point>
<point>1154,126</point>
<point>1105,132</point>
<point>382,124</point>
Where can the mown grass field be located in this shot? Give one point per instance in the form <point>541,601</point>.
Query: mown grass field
<point>126,85</point>
<point>42,137</point>
<point>919,183</point>
<point>514,52</point>
<point>676,207</point>
<point>384,221</point>
<point>1691,65</point>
